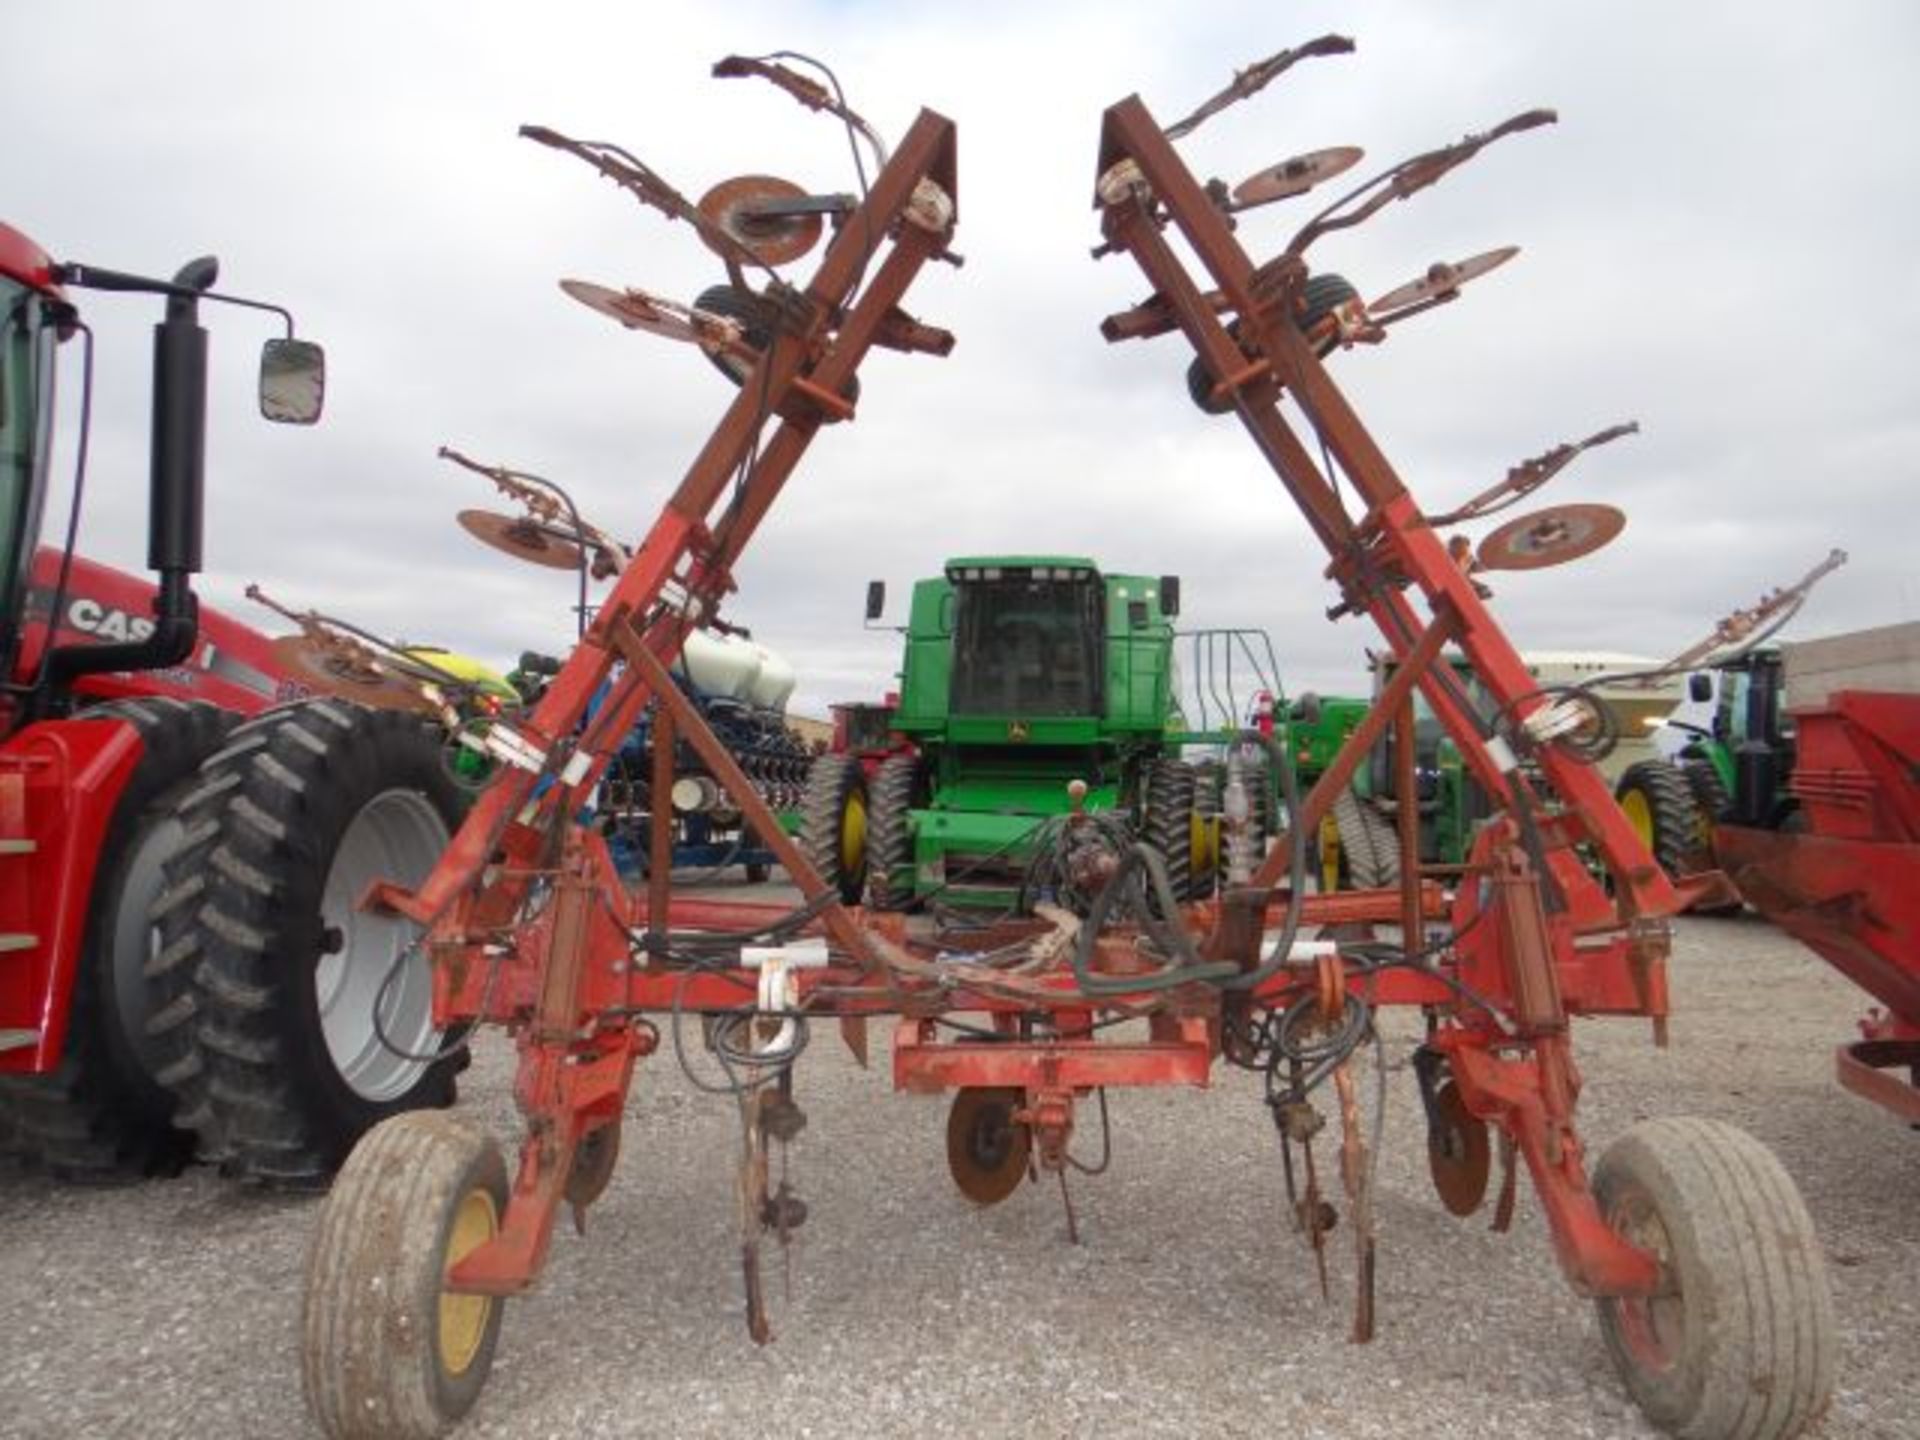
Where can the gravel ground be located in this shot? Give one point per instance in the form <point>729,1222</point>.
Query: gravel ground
<point>171,1309</point>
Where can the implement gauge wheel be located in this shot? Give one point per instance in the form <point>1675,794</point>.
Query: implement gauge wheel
<point>1739,1344</point>
<point>986,1147</point>
<point>386,1349</point>
<point>759,319</point>
<point>833,824</point>
<point>1659,804</point>
<point>1319,298</point>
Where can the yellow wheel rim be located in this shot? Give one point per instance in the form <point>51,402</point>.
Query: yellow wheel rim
<point>1329,855</point>
<point>853,833</point>
<point>463,1318</point>
<point>1203,843</point>
<point>1639,815</point>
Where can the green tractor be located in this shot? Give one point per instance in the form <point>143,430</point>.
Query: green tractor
<point>1734,769</point>
<point>1358,843</point>
<point>1021,675</point>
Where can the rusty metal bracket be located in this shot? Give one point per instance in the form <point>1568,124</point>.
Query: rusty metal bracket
<point>1256,77</point>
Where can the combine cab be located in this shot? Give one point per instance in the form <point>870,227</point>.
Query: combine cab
<point>1022,676</point>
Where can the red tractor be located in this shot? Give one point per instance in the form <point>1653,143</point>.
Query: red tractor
<point>115,690</point>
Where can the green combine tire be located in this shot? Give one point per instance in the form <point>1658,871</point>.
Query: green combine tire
<point>898,786</point>
<point>833,824</point>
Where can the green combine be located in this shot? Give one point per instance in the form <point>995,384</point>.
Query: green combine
<point>1021,675</point>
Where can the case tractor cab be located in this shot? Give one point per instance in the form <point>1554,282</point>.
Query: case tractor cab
<point>115,690</point>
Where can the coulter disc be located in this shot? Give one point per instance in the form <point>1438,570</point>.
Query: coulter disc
<point>1458,1156</point>
<point>986,1147</point>
<point>1550,537</point>
<point>522,538</point>
<point>1294,176</point>
<point>736,206</point>
<point>348,673</point>
<point>1442,279</point>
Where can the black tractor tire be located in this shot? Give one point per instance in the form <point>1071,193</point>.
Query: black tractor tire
<point>1712,801</point>
<point>1262,818</point>
<point>833,824</point>
<point>758,318</point>
<point>386,1352</point>
<point>292,1021</point>
<point>101,1115</point>
<point>1168,824</point>
<point>1369,845</point>
<point>1210,832</point>
<point>1741,1345</point>
<point>1659,805</point>
<point>1710,797</point>
<point>1319,297</point>
<point>898,787</point>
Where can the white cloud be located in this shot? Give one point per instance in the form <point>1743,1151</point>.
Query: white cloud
<point>1715,243</point>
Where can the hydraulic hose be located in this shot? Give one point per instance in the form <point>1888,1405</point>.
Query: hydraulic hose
<point>1296,866</point>
<point>1187,967</point>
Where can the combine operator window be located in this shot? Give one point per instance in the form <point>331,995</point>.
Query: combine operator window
<point>1028,642</point>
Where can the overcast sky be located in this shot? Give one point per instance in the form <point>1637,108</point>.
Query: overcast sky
<point>1718,242</point>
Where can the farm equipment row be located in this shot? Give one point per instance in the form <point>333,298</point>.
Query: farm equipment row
<point>1687,1235</point>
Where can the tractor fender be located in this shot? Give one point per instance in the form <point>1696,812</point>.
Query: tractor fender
<point>59,783</point>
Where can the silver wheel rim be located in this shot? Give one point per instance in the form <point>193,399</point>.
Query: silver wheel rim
<point>397,836</point>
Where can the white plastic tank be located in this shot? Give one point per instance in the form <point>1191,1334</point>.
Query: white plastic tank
<point>776,681</point>
<point>737,669</point>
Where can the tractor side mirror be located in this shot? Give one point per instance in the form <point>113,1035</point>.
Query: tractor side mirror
<point>1699,687</point>
<point>1170,595</point>
<point>876,599</point>
<point>293,381</point>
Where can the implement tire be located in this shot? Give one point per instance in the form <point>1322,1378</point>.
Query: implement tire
<point>271,972</point>
<point>101,1115</point>
<point>1740,1344</point>
<point>1319,298</point>
<point>387,1352</point>
<point>759,321</point>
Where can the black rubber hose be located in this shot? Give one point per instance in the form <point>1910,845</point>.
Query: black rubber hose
<point>1296,867</point>
<point>1184,970</point>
